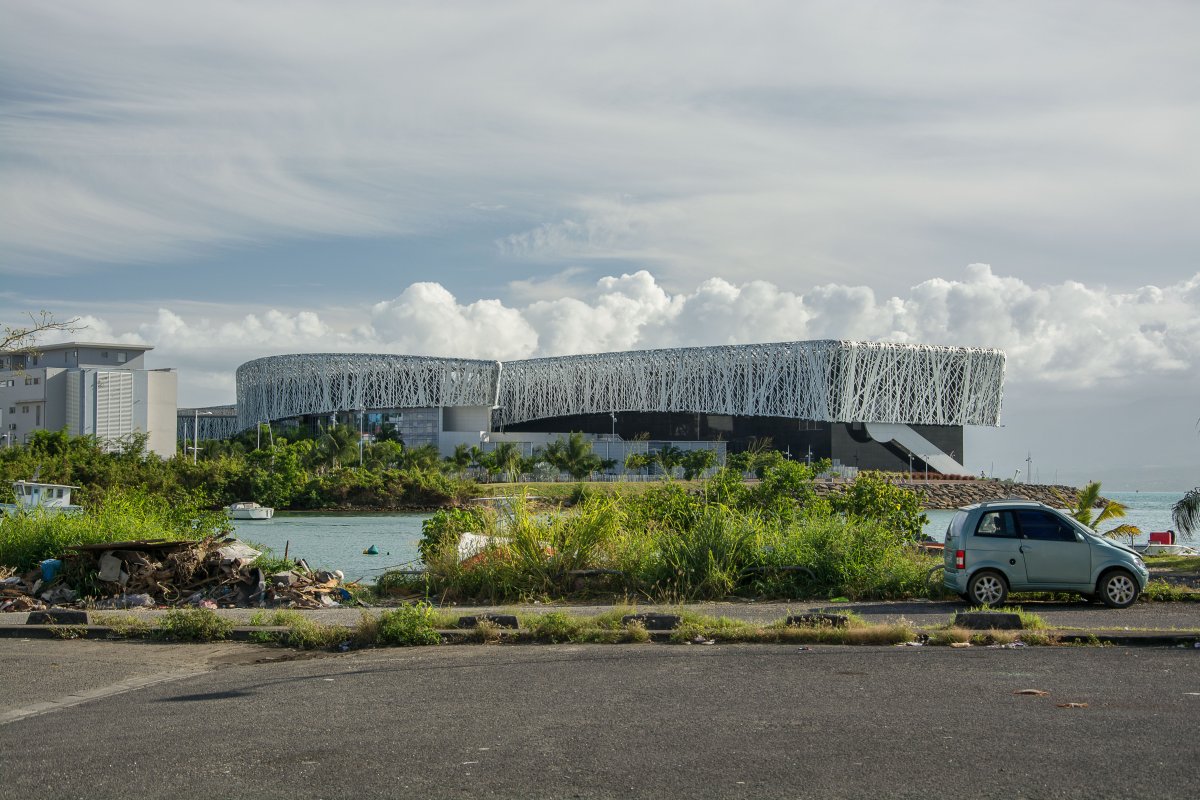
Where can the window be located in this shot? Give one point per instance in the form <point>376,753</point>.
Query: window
<point>121,358</point>
<point>1042,526</point>
<point>29,381</point>
<point>104,354</point>
<point>997,523</point>
<point>12,409</point>
<point>24,409</point>
<point>36,381</point>
<point>12,426</point>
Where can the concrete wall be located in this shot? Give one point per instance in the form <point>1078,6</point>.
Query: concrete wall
<point>155,393</point>
<point>467,419</point>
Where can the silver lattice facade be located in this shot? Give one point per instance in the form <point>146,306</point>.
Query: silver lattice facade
<point>868,404</point>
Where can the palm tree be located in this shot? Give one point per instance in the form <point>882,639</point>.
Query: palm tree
<point>461,460</point>
<point>573,456</point>
<point>1186,513</point>
<point>506,459</point>
<point>1087,500</point>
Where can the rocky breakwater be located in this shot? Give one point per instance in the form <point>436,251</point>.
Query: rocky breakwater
<point>953,494</point>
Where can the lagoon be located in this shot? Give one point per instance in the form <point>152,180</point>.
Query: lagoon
<point>337,541</point>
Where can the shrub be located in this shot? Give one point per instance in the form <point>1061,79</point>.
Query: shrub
<point>408,625</point>
<point>193,625</point>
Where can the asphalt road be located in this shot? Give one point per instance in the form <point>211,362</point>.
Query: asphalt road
<point>607,721</point>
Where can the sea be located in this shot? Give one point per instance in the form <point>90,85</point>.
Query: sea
<point>338,541</point>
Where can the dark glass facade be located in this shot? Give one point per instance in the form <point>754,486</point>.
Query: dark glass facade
<point>846,443</point>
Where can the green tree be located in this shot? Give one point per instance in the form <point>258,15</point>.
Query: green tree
<point>572,455</point>
<point>638,462</point>
<point>695,462</point>
<point>504,459</point>
<point>460,461</point>
<point>668,458</point>
<point>1186,513</point>
<point>871,497</point>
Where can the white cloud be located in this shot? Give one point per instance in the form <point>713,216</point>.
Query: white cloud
<point>1064,336</point>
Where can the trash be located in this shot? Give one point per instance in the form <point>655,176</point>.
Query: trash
<point>50,568</point>
<point>911,644</point>
<point>1072,705</point>
<point>344,647</point>
<point>1032,692</point>
<point>960,644</point>
<point>701,639</point>
<point>238,554</point>
<point>208,573</point>
<point>804,648</point>
<point>60,594</point>
<point>127,601</point>
<point>110,568</point>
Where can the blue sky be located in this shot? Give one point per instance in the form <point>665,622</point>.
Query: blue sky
<point>237,179</point>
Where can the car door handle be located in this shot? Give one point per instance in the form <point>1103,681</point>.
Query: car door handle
<point>1022,549</point>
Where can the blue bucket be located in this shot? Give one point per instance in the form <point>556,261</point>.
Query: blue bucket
<point>50,568</point>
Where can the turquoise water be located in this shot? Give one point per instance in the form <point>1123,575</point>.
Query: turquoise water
<point>1150,511</point>
<point>337,541</point>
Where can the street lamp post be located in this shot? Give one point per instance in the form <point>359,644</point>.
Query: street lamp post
<point>360,437</point>
<point>196,433</point>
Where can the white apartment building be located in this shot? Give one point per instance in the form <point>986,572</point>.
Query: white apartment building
<point>88,388</point>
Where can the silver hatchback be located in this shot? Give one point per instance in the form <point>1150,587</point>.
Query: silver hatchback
<point>1007,546</point>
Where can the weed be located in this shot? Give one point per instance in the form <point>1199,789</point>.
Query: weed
<point>1162,591</point>
<point>408,625</point>
<point>123,626</point>
<point>302,631</point>
<point>68,631</point>
<point>1029,620</point>
<point>193,625</point>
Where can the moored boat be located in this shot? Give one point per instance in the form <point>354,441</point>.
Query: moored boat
<point>54,498</point>
<point>247,509</point>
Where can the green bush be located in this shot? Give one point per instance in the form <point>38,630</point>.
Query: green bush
<point>408,625</point>
<point>193,625</point>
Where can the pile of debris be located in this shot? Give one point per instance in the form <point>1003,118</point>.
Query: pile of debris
<point>210,573</point>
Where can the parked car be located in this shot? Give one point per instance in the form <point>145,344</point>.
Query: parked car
<point>1007,546</point>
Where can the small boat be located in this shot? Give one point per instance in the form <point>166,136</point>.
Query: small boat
<point>54,498</point>
<point>371,551</point>
<point>246,509</point>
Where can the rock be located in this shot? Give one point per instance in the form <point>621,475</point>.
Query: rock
<point>57,617</point>
<point>499,620</point>
<point>988,620</point>
<point>653,622</point>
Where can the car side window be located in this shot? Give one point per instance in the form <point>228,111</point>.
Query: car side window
<point>996,523</point>
<point>1044,527</point>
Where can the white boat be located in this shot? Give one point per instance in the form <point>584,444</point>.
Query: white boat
<point>1156,549</point>
<point>246,509</point>
<point>54,498</point>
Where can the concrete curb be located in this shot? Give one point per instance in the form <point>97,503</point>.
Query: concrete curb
<point>466,636</point>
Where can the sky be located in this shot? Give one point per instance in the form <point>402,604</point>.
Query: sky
<point>230,180</point>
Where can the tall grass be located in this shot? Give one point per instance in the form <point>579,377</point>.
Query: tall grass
<point>692,549</point>
<point>119,515</point>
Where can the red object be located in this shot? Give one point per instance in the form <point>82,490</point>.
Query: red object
<point>1162,537</point>
<point>960,559</point>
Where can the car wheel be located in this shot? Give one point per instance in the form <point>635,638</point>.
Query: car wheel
<point>987,588</point>
<point>1118,589</point>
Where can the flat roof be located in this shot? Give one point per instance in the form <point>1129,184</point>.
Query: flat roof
<point>42,348</point>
